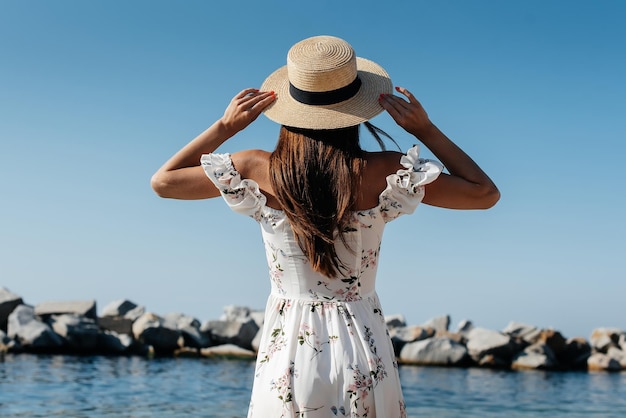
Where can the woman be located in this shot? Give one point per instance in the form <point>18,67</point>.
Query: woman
<point>322,204</point>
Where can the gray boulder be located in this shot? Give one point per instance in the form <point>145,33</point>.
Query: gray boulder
<point>110,342</point>
<point>135,313</point>
<point>7,344</point>
<point>408,334</point>
<point>235,313</point>
<point>227,351</point>
<point>464,327</point>
<point>256,341</point>
<point>8,302</point>
<point>436,351</point>
<point>235,332</point>
<point>554,340</point>
<point>79,333</point>
<point>439,323</point>
<point>189,328</point>
<point>482,342</point>
<point>617,354</point>
<point>85,308</point>
<point>411,333</point>
<point>258,317</point>
<point>603,338</point>
<point>575,355</point>
<point>538,356</point>
<point>149,329</point>
<point>118,307</point>
<point>527,333</point>
<point>602,362</point>
<point>117,324</point>
<point>395,321</point>
<point>30,332</point>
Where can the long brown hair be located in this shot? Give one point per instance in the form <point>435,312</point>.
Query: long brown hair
<point>315,175</point>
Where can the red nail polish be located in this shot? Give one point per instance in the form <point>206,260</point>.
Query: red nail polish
<point>397,88</point>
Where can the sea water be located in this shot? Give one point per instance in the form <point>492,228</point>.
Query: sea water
<point>73,386</point>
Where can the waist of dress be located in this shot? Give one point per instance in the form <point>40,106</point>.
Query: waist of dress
<point>322,298</point>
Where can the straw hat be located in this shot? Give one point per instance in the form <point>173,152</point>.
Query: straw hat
<point>325,86</point>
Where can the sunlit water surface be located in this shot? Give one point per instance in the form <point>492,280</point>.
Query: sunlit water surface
<point>67,386</point>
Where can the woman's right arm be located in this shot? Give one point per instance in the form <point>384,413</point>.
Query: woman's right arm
<point>182,177</point>
<point>467,186</point>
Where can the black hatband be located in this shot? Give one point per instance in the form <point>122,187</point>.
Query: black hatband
<point>325,97</point>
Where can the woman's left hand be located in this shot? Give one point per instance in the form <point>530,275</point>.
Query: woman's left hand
<point>244,108</point>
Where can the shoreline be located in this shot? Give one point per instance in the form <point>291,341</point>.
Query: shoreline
<point>127,329</point>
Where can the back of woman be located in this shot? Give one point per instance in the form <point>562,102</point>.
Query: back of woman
<point>322,204</point>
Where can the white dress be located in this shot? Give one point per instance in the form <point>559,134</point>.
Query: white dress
<point>325,350</point>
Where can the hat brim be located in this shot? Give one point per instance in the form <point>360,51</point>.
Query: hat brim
<point>358,109</point>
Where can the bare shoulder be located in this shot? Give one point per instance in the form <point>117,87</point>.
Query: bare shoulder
<point>383,162</point>
<point>251,163</point>
<point>255,165</point>
<point>378,165</point>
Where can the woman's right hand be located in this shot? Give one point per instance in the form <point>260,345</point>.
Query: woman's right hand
<point>244,108</point>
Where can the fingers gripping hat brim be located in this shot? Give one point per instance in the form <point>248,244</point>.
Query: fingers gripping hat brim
<point>357,109</point>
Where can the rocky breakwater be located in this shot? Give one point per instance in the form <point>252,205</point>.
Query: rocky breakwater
<point>518,346</point>
<point>122,328</point>
<point>125,328</point>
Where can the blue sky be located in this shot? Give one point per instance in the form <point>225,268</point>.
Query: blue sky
<point>95,96</point>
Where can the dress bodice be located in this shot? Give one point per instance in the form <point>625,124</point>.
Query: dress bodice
<point>290,273</point>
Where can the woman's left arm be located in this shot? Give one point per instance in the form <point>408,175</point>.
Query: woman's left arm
<point>182,177</point>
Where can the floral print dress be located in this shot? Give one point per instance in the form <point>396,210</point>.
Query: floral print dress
<point>325,350</point>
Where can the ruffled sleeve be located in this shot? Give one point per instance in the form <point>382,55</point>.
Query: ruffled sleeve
<point>242,195</point>
<point>405,188</point>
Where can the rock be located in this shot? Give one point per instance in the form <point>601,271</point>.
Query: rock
<point>575,355</point>
<point>187,352</point>
<point>189,328</point>
<point>482,342</point>
<point>7,344</point>
<point>232,332</point>
<point>439,323</point>
<point>554,340</point>
<point>602,362</point>
<point>110,342</point>
<point>493,362</point>
<point>235,313</point>
<point>464,327</point>
<point>135,313</point>
<point>617,354</point>
<point>118,307</point>
<point>32,334</point>
<point>527,333</point>
<point>80,333</point>
<point>603,338</point>
<point>436,351</point>
<point>454,336</point>
<point>116,324</point>
<point>411,333</point>
<point>256,342</point>
<point>538,356</point>
<point>227,351</point>
<point>403,335</point>
<point>177,320</point>
<point>258,317</point>
<point>8,302</point>
<point>85,308</point>
<point>149,330</point>
<point>395,321</point>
